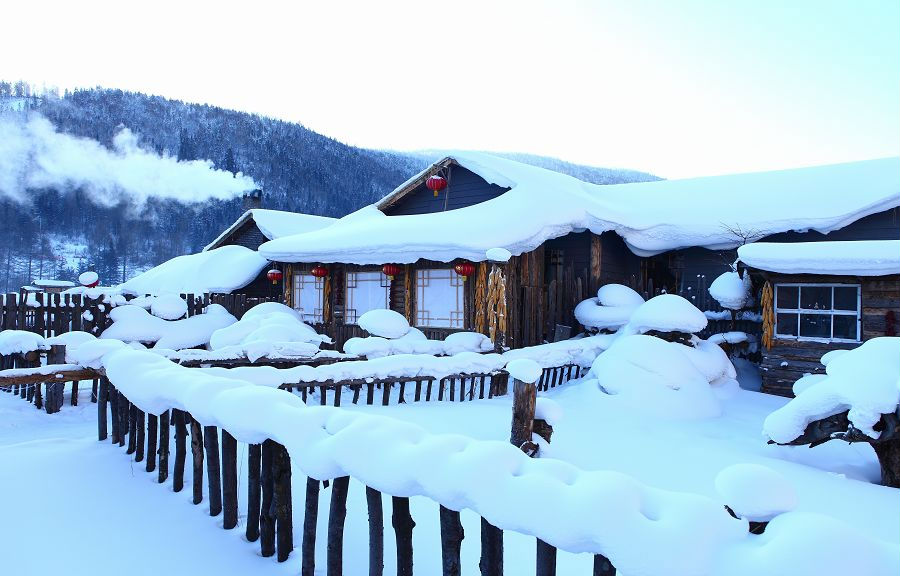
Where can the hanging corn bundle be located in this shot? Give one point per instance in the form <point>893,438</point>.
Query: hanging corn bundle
<point>326,298</point>
<point>496,308</point>
<point>481,298</point>
<point>768,315</point>
<point>289,285</point>
<point>407,294</point>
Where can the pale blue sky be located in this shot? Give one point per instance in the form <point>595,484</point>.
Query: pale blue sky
<point>678,88</point>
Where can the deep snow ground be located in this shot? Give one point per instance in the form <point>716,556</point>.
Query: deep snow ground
<point>78,506</point>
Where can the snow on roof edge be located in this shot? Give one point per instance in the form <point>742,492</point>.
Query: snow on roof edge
<point>841,258</point>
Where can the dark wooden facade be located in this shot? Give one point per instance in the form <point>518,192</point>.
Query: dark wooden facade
<point>465,189</point>
<point>250,236</point>
<point>790,358</point>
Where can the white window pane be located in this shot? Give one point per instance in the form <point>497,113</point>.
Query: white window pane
<point>308,297</point>
<point>439,298</point>
<point>365,291</point>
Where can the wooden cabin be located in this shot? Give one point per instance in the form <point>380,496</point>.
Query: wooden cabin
<point>427,232</point>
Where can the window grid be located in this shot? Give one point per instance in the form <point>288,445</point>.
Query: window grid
<point>799,311</point>
<point>358,282</point>
<point>309,297</point>
<point>440,298</point>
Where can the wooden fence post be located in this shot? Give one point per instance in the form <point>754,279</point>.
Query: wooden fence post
<point>102,399</point>
<point>152,431</point>
<point>337,514</point>
<point>451,541</point>
<point>139,442</point>
<point>376,532</point>
<point>403,527</point>
<point>254,458</point>
<point>524,401</point>
<point>113,395</point>
<point>229,480</point>
<point>284,509</point>
<point>310,519</point>
<point>132,429</point>
<point>213,472</point>
<point>602,566</point>
<point>546,559</point>
<point>164,436</point>
<point>197,453</point>
<point>180,449</point>
<point>54,396</point>
<point>123,418</point>
<point>491,563</point>
<point>267,512</point>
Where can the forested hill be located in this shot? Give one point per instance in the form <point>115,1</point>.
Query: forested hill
<point>300,170</point>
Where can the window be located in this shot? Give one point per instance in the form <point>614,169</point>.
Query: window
<point>365,291</point>
<point>308,297</point>
<point>439,298</point>
<point>817,311</point>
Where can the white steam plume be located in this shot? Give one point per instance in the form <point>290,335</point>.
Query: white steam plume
<point>33,155</point>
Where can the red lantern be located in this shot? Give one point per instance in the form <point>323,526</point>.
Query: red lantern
<point>274,275</point>
<point>319,271</point>
<point>89,279</point>
<point>465,269</point>
<point>391,270</point>
<point>436,184</point>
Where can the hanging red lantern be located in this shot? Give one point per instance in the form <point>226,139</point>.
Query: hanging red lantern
<point>275,275</point>
<point>391,270</point>
<point>319,271</point>
<point>465,269</point>
<point>89,279</point>
<point>436,184</point>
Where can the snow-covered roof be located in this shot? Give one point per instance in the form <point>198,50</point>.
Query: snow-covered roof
<point>652,217</point>
<point>221,270</point>
<point>48,283</point>
<point>850,258</point>
<point>275,224</point>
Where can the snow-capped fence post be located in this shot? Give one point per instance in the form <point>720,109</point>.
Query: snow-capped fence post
<point>545,559</point>
<point>213,474</point>
<point>452,535</point>
<point>54,396</point>
<point>403,524</point>
<point>310,517</point>
<point>123,417</point>
<point>267,510</point>
<point>197,458</point>
<point>102,398</point>
<point>283,505</point>
<point>139,441</point>
<point>180,449</point>
<point>113,396</point>
<point>163,447</point>
<point>132,429</point>
<point>152,431</point>
<point>603,567</point>
<point>376,531</point>
<point>491,562</point>
<point>254,458</point>
<point>337,514</point>
<point>524,400</point>
<point>229,480</point>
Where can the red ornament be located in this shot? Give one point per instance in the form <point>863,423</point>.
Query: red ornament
<point>275,275</point>
<point>391,270</point>
<point>319,271</point>
<point>465,269</point>
<point>436,184</point>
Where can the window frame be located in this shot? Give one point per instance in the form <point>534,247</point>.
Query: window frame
<point>318,314</point>
<point>457,319</point>
<point>805,311</point>
<point>351,275</point>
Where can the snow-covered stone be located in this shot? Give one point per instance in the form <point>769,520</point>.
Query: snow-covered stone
<point>754,492</point>
<point>168,307</point>
<point>525,369</point>
<point>384,323</point>
<point>619,295</point>
<point>668,313</point>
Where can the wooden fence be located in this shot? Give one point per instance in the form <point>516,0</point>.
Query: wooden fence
<point>18,380</point>
<point>269,515</point>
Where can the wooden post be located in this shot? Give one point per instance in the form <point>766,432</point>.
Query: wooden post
<point>337,514</point>
<point>602,566</point>
<point>254,457</point>
<point>180,449</point>
<point>451,541</point>
<point>73,400</point>
<point>267,510</point>
<point>197,453</point>
<point>152,431</point>
<point>213,473</point>
<point>102,395</point>
<point>56,355</point>
<point>403,527</point>
<point>229,480</point>
<point>376,532</point>
<point>491,563</point>
<point>132,429</point>
<point>123,418</point>
<point>113,395</point>
<point>94,393</point>
<point>139,442</point>
<point>310,519</point>
<point>546,559</point>
<point>284,508</point>
<point>163,446</point>
<point>524,400</point>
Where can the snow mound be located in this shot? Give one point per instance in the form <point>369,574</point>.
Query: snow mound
<point>610,310</point>
<point>548,410</point>
<point>89,278</point>
<point>268,330</point>
<point>525,369</point>
<point>664,379</point>
<point>498,255</point>
<point>384,323</point>
<point>168,307</point>
<point>134,324</point>
<point>731,291</point>
<point>864,381</point>
<point>222,270</point>
<point>668,313</point>
<point>755,493</point>
<point>415,342</point>
<point>842,258</point>
<point>20,342</point>
<point>619,295</point>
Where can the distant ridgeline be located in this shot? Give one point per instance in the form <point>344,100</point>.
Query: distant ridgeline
<point>58,235</point>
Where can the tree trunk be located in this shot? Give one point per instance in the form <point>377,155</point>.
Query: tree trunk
<point>524,401</point>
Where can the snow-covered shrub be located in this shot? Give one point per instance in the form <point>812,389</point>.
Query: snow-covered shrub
<point>610,310</point>
<point>755,493</point>
<point>731,291</point>
<point>134,324</point>
<point>268,329</point>
<point>168,307</point>
<point>667,313</point>
<point>665,379</point>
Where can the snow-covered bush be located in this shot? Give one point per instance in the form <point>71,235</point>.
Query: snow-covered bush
<point>856,401</point>
<point>268,329</point>
<point>610,310</point>
<point>665,379</point>
<point>135,324</point>
<point>732,291</point>
<point>755,493</point>
<point>667,313</point>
